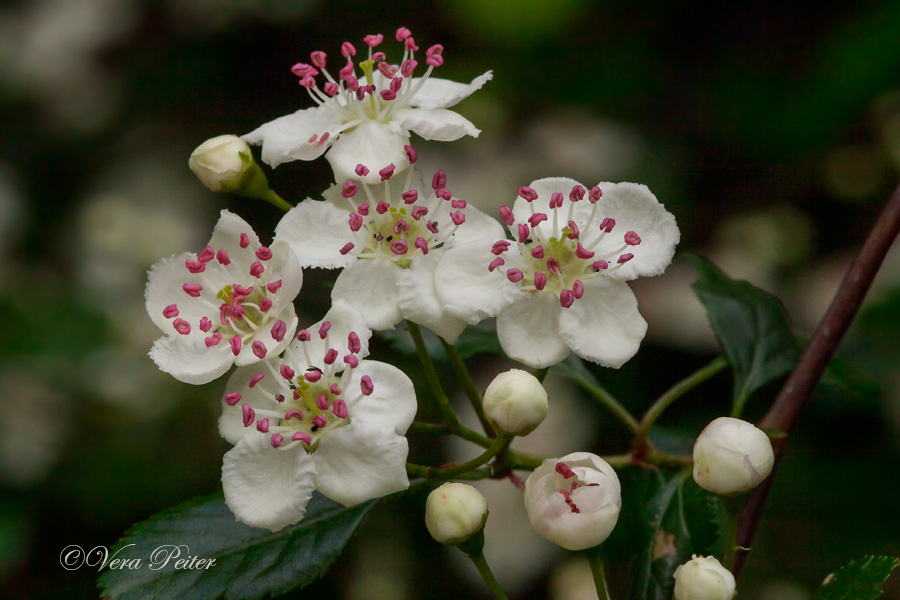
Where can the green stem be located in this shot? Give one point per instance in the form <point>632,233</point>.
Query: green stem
<point>613,405</point>
<point>432,377</point>
<point>450,472</point>
<point>277,201</point>
<point>733,505</point>
<point>595,558</point>
<point>675,392</point>
<point>468,385</point>
<point>485,571</point>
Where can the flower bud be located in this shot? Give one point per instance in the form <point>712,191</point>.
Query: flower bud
<point>732,456</point>
<point>221,162</point>
<point>454,513</point>
<point>703,578</point>
<point>515,402</point>
<point>574,501</point>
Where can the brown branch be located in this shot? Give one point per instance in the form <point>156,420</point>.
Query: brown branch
<point>795,394</point>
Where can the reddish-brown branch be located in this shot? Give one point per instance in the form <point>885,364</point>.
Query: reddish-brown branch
<point>795,394</point>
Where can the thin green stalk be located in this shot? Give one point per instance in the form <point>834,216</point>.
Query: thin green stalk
<point>432,377</point>
<point>613,405</point>
<point>485,571</point>
<point>468,385</point>
<point>450,472</point>
<point>676,391</point>
<point>733,505</point>
<point>595,559</point>
<point>459,430</point>
<point>272,198</point>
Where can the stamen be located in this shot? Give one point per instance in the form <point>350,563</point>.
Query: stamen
<point>581,252</point>
<point>293,413</point>
<point>399,247</point>
<point>245,240</point>
<point>232,398</point>
<point>458,203</point>
<point>303,437</point>
<point>574,232</point>
<point>537,252</point>
<point>303,336</point>
<point>566,298</point>
<point>192,289</point>
<point>422,245</point>
<point>500,247</point>
<point>458,218</point>
<point>553,266</point>
<point>514,275</point>
<point>524,231</point>
<point>353,343</point>
<point>527,193</point>
<point>313,375</point>
<point>320,421</point>
<point>439,180</point>
<point>403,33</point>
<point>351,360</point>
<point>195,266</point>
<point>400,227</point>
<point>323,329</point>
<point>277,438</point>
<point>362,170</point>
<point>373,40</point>
<point>433,56</point>
<point>263,253</point>
<point>257,269</point>
<point>222,257</point>
<point>607,224</point>
<point>564,470</point>
<point>540,280</point>
<point>536,219</point>
<point>349,190</point>
<point>205,324</point>
<point>259,349</point>
<point>356,222</point>
<point>262,426</point>
<point>279,330</point>
<point>496,263</point>
<point>600,265</point>
<point>249,414</point>
<point>632,239</point>
<point>595,194</point>
<point>407,68</point>
<point>556,200</point>
<point>322,402</point>
<point>506,215</point>
<point>346,248</point>
<point>382,207</point>
<point>170,311</point>
<point>287,372</point>
<point>419,212</point>
<point>330,356</point>
<point>388,171</point>
<point>410,197</point>
<point>578,289</point>
<point>339,409</point>
<point>347,50</point>
<point>256,379</point>
<point>624,258</point>
<point>577,193</point>
<point>410,153</point>
<point>366,385</point>
<point>213,340</point>
<point>235,344</point>
<point>182,326</point>
<point>264,305</point>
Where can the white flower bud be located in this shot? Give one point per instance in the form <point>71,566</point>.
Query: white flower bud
<point>221,162</point>
<point>516,402</point>
<point>703,578</point>
<point>732,456</point>
<point>574,501</point>
<point>455,512</point>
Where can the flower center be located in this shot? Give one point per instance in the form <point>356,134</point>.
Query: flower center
<point>235,312</point>
<point>558,253</point>
<point>304,407</point>
<point>401,226</point>
<point>378,94</point>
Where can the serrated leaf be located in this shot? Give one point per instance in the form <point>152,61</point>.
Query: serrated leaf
<point>858,580</point>
<point>249,562</point>
<point>473,340</point>
<point>752,326</point>
<point>664,520</point>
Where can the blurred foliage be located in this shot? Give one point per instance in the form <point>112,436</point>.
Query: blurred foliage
<point>747,109</point>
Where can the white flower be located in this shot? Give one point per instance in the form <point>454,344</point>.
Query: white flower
<point>516,402</point>
<point>574,501</point>
<point>560,286</point>
<point>231,304</point>
<point>703,578</point>
<point>388,237</point>
<point>732,456</point>
<point>454,512</point>
<point>319,418</point>
<point>220,162</point>
<point>368,121</point>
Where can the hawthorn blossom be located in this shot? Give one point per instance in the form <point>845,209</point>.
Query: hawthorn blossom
<point>559,286</point>
<point>388,238</point>
<point>365,116</point>
<point>320,417</point>
<point>574,501</point>
<point>230,304</point>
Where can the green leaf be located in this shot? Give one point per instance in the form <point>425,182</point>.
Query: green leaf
<point>858,580</point>
<point>752,326</point>
<point>473,340</point>
<point>664,520</point>
<point>249,562</point>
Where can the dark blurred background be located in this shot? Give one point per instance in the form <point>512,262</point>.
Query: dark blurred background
<point>771,130</point>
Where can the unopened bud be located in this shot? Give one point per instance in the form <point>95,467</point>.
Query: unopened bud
<point>221,162</point>
<point>454,513</point>
<point>703,578</point>
<point>515,402</point>
<point>732,456</point>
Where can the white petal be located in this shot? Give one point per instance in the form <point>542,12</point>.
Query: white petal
<point>316,232</point>
<point>189,360</point>
<point>164,287</point>
<point>391,406</point>
<point>343,319</point>
<point>260,397</point>
<point>375,145</point>
<point>479,228</point>
<point>522,209</point>
<point>466,287</point>
<point>227,236</point>
<point>529,331</point>
<point>435,124</point>
<point>370,286</point>
<point>604,325</point>
<point>635,208</point>
<point>418,299</point>
<point>287,138</point>
<point>443,93</point>
<point>291,274</point>
<point>266,487</point>
<point>360,462</point>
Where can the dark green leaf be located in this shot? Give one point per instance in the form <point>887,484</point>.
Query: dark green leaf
<point>663,522</point>
<point>473,340</point>
<point>858,580</point>
<point>249,562</point>
<point>751,325</point>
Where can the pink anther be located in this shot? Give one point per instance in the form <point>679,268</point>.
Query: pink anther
<point>401,226</point>
<point>320,421</point>
<point>294,412</point>
<point>346,248</point>
<point>500,247</point>
<point>432,227</point>
<point>330,356</point>
<point>566,298</point>
<point>323,139</point>
<point>222,257</point>
<point>553,266</point>
<point>564,470</point>
<point>207,254</point>
<point>496,263</point>
<point>318,59</point>
<point>331,88</point>
<point>410,154</point>
<point>274,286</point>
<point>240,290</point>
<point>192,289</point>
<point>595,194</point>
<point>403,33</point>
<point>335,389</point>
<point>353,343</point>
<point>322,402</point>
<point>419,212</point>
<point>339,409</point>
<point>578,289</point>
<point>583,253</point>
<point>262,426</point>
<point>349,190</point>
<point>607,224</point>
<point>422,245</point>
<point>346,71</point>
<point>515,275</point>
<point>524,232</point>
<point>264,253</point>
<point>632,239</point>
<point>410,196</point>
<point>399,247</point>
<point>388,95</point>
<point>433,56</point>
<point>387,70</point>
<point>506,215</point>
<point>303,70</point>
<point>256,379</point>
<point>313,375</point>
<point>245,240</point>
<point>347,50</point>
<point>232,398</point>
<point>458,218</point>
<point>527,193</point>
<point>276,440</point>
<point>600,265</point>
<point>624,258</point>
<point>195,266</point>
<point>362,170</point>
<point>351,361</point>
<point>302,436</point>
<point>536,219</point>
<point>279,330</point>
<point>408,67</point>
<point>249,414</point>
<point>356,222</point>
<point>259,349</point>
<point>373,39</point>
<point>537,252</point>
<point>213,340</point>
<point>439,180</point>
<point>443,193</point>
<point>170,311</point>
<point>556,200</point>
<point>324,328</point>
<point>410,44</point>
<point>577,193</point>
<point>303,336</point>
<point>458,203</point>
<point>382,207</point>
<point>363,209</point>
<point>235,344</point>
<point>540,280</point>
<point>366,385</point>
<point>181,326</point>
<point>574,232</point>
<point>287,372</point>
<point>205,324</point>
